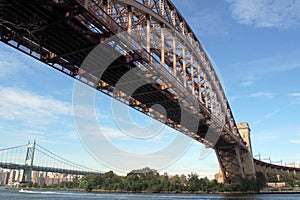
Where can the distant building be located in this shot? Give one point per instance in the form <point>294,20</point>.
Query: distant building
<point>48,180</point>
<point>35,177</point>
<point>15,176</point>
<point>12,177</point>
<point>4,176</point>
<point>291,165</point>
<point>219,176</point>
<point>277,185</point>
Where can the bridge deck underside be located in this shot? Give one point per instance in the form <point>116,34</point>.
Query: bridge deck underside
<point>275,167</point>
<point>59,38</point>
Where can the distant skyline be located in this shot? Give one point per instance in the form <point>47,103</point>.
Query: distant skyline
<point>256,48</point>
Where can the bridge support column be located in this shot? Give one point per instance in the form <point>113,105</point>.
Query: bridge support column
<point>28,162</point>
<point>247,157</point>
<point>239,158</point>
<point>236,163</point>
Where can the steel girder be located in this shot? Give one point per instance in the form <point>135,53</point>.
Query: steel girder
<point>187,60</point>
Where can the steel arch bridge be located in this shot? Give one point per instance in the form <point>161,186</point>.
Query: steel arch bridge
<point>61,33</point>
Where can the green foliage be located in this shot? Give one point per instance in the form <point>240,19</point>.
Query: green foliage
<point>147,180</point>
<point>193,183</point>
<point>35,185</point>
<point>55,186</point>
<point>150,181</point>
<point>175,184</point>
<point>30,184</point>
<point>246,185</point>
<point>283,176</point>
<point>260,180</point>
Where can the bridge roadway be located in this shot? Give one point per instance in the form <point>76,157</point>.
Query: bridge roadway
<point>43,169</point>
<point>61,33</point>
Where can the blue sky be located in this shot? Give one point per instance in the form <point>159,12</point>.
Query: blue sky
<point>256,47</point>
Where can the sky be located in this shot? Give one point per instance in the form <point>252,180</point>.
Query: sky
<point>255,46</point>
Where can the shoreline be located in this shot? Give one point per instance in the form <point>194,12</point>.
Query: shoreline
<point>147,192</point>
<point>280,192</point>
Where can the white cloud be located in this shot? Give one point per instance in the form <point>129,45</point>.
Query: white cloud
<point>271,114</point>
<point>296,94</point>
<point>296,97</point>
<point>256,122</point>
<point>249,72</point>
<point>266,13</point>
<point>266,135</point>
<point>262,94</point>
<point>211,23</point>
<point>247,83</point>
<point>10,64</point>
<point>31,108</point>
<point>277,63</point>
<point>267,116</point>
<point>295,141</point>
<point>205,20</point>
<point>115,134</point>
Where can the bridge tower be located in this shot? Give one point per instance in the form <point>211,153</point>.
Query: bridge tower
<point>244,130</point>
<point>29,162</point>
<point>247,158</point>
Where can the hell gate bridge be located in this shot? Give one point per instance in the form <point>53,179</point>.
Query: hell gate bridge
<point>62,33</point>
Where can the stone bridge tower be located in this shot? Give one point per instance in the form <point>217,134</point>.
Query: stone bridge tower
<point>247,158</point>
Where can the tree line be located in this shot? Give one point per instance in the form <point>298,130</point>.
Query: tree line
<point>147,180</point>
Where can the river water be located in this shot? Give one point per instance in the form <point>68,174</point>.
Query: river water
<point>59,195</point>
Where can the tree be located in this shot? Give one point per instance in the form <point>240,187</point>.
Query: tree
<point>193,183</point>
<point>30,184</point>
<point>132,183</point>
<point>260,180</point>
<point>90,182</point>
<point>165,183</point>
<point>111,181</point>
<point>204,184</point>
<point>35,185</point>
<point>215,186</point>
<point>84,184</point>
<point>272,177</point>
<point>183,181</point>
<point>175,184</point>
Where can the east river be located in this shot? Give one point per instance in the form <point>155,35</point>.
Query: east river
<point>55,195</point>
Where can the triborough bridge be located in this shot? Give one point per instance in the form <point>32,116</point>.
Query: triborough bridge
<point>154,39</point>
<point>33,157</point>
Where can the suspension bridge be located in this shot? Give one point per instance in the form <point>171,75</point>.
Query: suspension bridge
<point>33,157</point>
<point>180,75</point>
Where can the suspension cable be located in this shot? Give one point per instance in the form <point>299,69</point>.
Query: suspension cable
<point>61,159</point>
